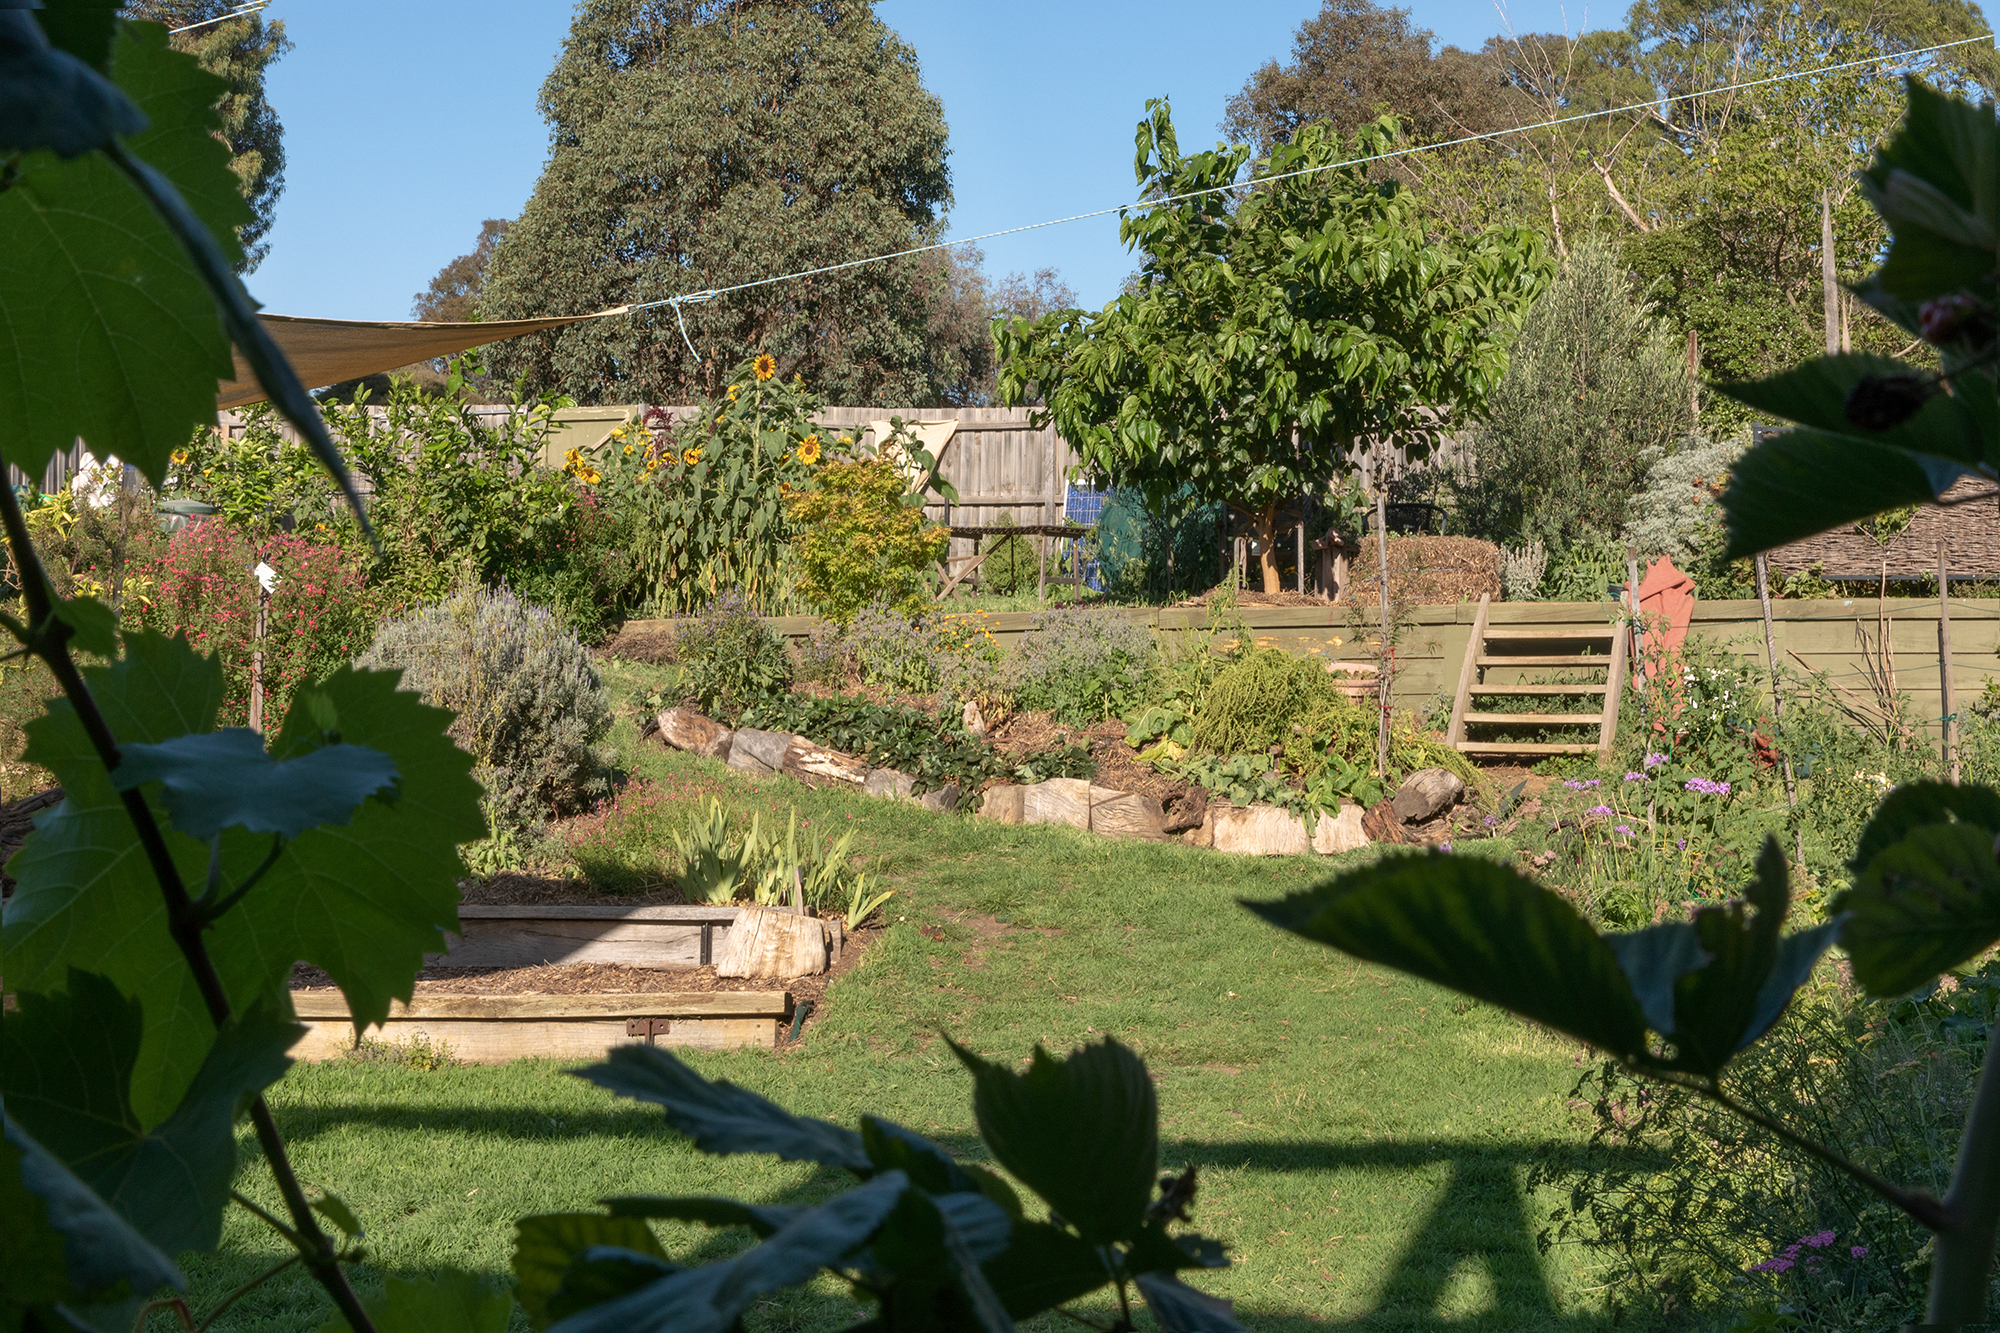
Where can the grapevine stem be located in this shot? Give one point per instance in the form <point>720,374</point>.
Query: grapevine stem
<point>48,638</point>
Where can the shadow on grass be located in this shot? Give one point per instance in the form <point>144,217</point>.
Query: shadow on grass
<point>1478,1218</point>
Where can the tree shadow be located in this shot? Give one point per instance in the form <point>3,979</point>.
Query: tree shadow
<point>1478,1219</point>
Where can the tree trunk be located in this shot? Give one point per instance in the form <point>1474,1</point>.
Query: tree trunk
<point>1267,545</point>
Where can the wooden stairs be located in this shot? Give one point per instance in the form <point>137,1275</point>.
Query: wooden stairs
<point>1538,647</point>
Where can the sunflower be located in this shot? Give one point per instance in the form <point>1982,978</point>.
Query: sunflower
<point>809,450</point>
<point>630,450</point>
<point>180,456</point>
<point>691,457</point>
<point>732,393</point>
<point>766,366</point>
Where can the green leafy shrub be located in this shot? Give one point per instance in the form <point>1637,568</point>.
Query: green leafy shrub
<point>1081,664</point>
<point>728,656</point>
<point>892,651</point>
<point>322,612</point>
<point>91,539</point>
<point>933,751</point>
<point>528,703</point>
<point>858,540</point>
<point>1699,1209</point>
<point>1011,564</point>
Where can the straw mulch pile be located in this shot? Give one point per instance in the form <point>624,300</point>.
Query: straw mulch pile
<point>1428,571</point>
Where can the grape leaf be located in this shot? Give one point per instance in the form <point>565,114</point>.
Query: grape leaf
<point>67,1069</point>
<point>546,1245</point>
<point>50,99</point>
<point>63,1242</point>
<point>364,901</point>
<point>226,779</point>
<point>127,343</point>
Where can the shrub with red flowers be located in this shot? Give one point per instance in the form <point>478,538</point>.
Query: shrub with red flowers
<point>203,587</point>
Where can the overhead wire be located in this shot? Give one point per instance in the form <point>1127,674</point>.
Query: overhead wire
<point>241,11</point>
<point>711,293</point>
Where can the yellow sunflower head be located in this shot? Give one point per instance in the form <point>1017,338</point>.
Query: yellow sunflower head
<point>629,451</point>
<point>691,457</point>
<point>180,456</point>
<point>765,366</point>
<point>732,393</point>
<point>809,450</point>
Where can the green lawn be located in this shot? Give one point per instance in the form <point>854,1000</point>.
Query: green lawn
<point>1361,1137</point>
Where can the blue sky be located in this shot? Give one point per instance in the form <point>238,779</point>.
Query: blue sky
<point>406,124</point>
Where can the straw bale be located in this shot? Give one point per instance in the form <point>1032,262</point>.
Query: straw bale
<point>1429,571</point>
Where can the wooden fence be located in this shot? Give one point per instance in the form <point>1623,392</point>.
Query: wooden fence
<point>1818,635</point>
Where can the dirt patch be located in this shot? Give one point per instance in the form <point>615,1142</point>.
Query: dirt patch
<point>987,928</point>
<point>610,979</point>
<point>515,888</point>
<point>1255,597</point>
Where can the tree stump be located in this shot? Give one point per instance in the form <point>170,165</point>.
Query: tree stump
<point>774,942</point>
<point>1425,792</point>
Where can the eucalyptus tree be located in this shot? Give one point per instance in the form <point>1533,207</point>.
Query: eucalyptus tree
<point>697,145</point>
<point>1273,330</point>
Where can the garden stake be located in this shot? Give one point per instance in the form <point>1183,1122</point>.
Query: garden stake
<point>1382,685</point>
<point>267,578</point>
<point>1302,544</point>
<point>1638,627</point>
<point>1949,721</point>
<point>1778,704</point>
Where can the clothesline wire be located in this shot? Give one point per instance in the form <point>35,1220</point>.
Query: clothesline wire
<point>242,11</point>
<point>711,293</point>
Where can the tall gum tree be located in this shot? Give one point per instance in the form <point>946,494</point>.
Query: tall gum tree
<point>1275,330</point>
<point>696,145</point>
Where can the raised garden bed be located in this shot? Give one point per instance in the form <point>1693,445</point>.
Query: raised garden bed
<point>528,935</point>
<point>487,1029</point>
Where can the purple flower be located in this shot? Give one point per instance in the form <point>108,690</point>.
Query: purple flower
<point>1706,786</point>
<point>1655,760</point>
<point>1857,1251</point>
<point>1777,1265</point>
<point>1818,1239</point>
<point>1444,846</point>
<point>1681,845</point>
<point>1600,810</point>
<point>1635,777</point>
<point>1491,821</point>
<point>1625,829</point>
<point>1583,785</point>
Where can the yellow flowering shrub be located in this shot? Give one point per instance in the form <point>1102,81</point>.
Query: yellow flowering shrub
<point>856,539</point>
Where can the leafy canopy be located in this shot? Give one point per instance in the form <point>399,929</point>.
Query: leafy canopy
<point>1271,332</point>
<point>695,145</point>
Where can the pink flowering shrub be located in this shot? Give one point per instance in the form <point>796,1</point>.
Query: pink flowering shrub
<point>202,587</point>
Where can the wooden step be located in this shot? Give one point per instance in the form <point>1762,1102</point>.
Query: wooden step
<point>1492,690</point>
<point>1525,660</point>
<point>1537,719</point>
<point>493,1028</point>
<point>1495,632</point>
<point>1522,747</point>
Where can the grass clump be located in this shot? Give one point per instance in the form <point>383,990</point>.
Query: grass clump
<point>1255,703</point>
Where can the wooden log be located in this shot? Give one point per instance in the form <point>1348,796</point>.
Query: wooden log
<point>771,942</point>
<point>1057,801</point>
<point>685,729</point>
<point>1126,815</point>
<point>1002,805</point>
<point>817,766</point>
<point>1340,832</point>
<point>1260,830</point>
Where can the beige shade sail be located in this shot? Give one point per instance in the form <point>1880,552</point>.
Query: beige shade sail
<point>328,351</point>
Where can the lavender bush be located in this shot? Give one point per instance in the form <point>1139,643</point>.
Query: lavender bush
<point>1081,664</point>
<point>530,707</point>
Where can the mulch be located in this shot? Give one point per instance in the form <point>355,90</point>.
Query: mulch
<point>17,821</point>
<point>635,642</point>
<point>611,979</point>
<point>513,888</point>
